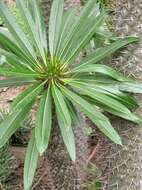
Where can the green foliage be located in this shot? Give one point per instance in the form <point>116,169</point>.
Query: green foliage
<point>5,159</point>
<point>55,82</point>
<point>20,138</point>
<point>1,22</point>
<point>94,177</point>
<point>30,162</point>
<point>18,17</point>
<point>5,164</point>
<point>16,12</point>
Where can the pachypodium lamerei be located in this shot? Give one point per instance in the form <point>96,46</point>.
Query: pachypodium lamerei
<point>56,83</point>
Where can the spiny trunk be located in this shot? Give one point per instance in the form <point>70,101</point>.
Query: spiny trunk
<point>63,174</point>
<point>123,165</point>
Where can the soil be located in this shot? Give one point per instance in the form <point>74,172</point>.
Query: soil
<point>15,180</point>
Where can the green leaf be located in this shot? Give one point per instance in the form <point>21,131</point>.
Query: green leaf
<point>5,31</point>
<point>38,17</point>
<point>101,53</point>
<point>40,23</point>
<point>55,25</point>
<point>78,26</point>
<point>81,41</point>
<point>43,122</point>
<point>27,96</point>
<point>103,69</point>
<point>31,162</point>
<point>111,90</point>
<point>16,32</point>
<point>67,24</point>
<point>11,46</point>
<point>73,113</point>
<point>134,118</point>
<point>124,98</point>
<point>134,87</point>
<point>17,72</point>
<point>68,136</point>
<point>102,98</point>
<point>95,115</point>
<point>13,60</point>
<point>11,123</point>
<point>16,82</point>
<point>61,106</point>
<point>33,28</point>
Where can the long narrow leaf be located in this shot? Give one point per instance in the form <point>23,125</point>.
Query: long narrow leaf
<point>133,87</point>
<point>67,24</point>
<point>111,90</point>
<point>33,30</point>
<point>101,53</point>
<point>30,164</point>
<point>68,137</point>
<point>11,46</point>
<point>43,122</point>
<point>73,113</point>
<point>55,25</point>
<point>88,31</point>
<point>13,60</point>
<point>16,82</point>
<point>77,26</point>
<point>97,117</point>
<point>61,106</point>
<point>38,17</point>
<point>124,98</point>
<point>134,118</point>
<point>17,72</point>
<point>11,123</point>
<point>40,23</point>
<point>27,96</point>
<point>106,100</point>
<point>15,30</point>
<point>103,69</point>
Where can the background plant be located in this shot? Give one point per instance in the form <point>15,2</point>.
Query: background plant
<point>94,177</point>
<point>56,82</point>
<point>5,159</point>
<point>19,138</point>
<point>5,164</point>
